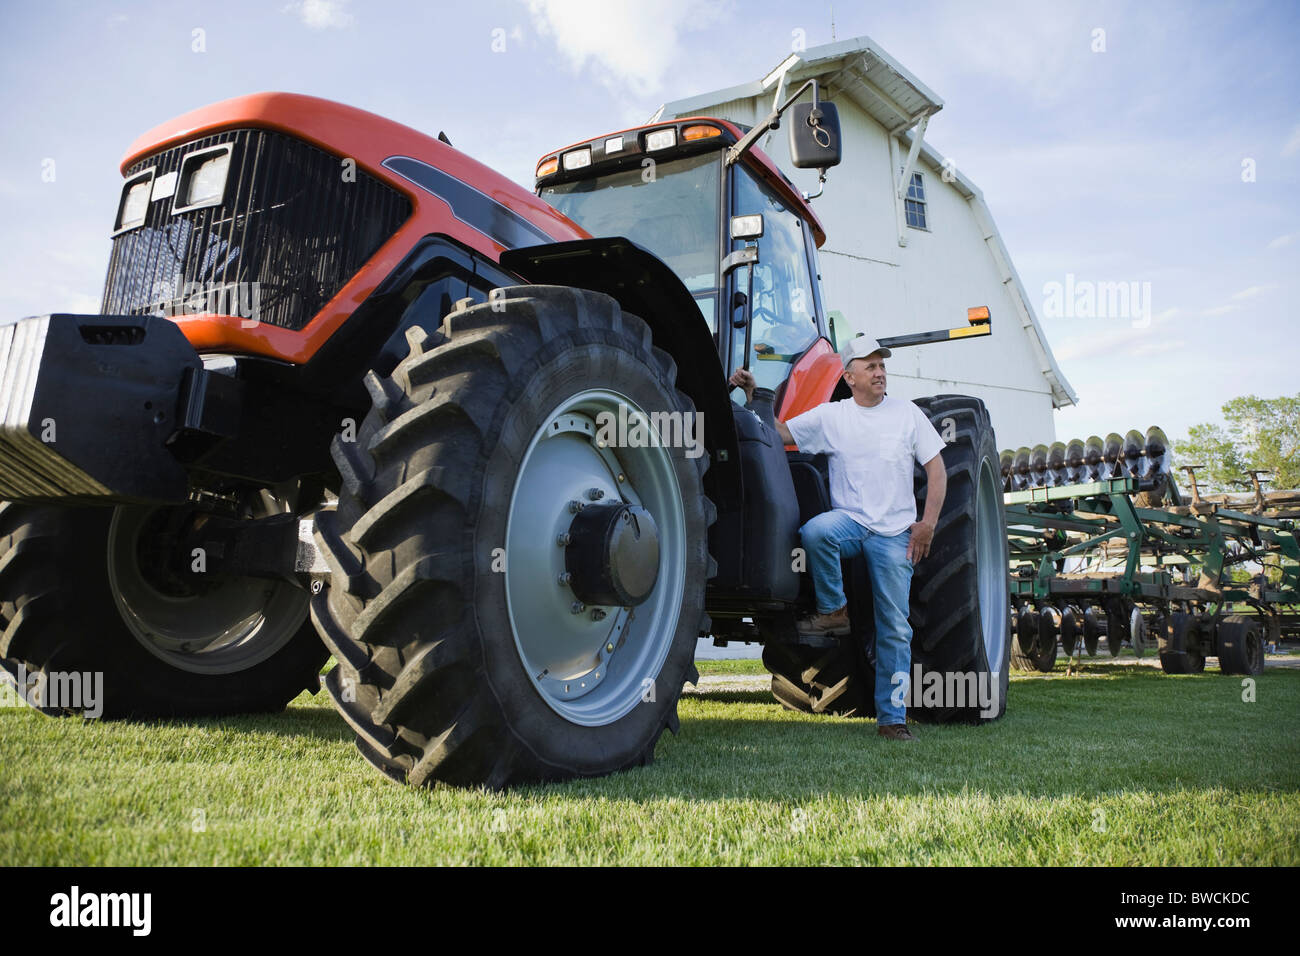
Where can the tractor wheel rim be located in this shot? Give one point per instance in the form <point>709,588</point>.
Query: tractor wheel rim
<point>991,567</point>
<point>235,626</point>
<point>591,665</point>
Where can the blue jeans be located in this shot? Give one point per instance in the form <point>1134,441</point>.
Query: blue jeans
<point>832,537</point>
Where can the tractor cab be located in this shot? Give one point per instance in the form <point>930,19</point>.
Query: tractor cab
<point>697,194</point>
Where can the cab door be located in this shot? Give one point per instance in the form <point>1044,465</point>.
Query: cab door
<point>779,298</point>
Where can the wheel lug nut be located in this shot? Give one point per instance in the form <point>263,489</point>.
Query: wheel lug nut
<point>577,607</point>
<point>575,506</point>
<point>595,494</point>
<point>564,578</point>
<point>562,539</point>
<point>598,614</point>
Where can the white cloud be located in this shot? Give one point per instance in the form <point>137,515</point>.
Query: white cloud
<point>1292,145</point>
<point>1129,340</point>
<point>322,14</point>
<point>1251,292</point>
<point>1282,241</point>
<point>627,44</point>
<point>1220,310</point>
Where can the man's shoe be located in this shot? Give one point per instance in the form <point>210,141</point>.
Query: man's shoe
<point>836,622</point>
<point>896,732</point>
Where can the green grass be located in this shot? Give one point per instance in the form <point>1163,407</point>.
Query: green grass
<point>730,668</point>
<point>1121,765</point>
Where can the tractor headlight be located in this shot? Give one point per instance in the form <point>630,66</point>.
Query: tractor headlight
<point>134,204</point>
<point>661,139</point>
<point>577,158</point>
<point>203,178</point>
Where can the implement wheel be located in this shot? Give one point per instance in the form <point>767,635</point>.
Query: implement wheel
<point>1240,646</point>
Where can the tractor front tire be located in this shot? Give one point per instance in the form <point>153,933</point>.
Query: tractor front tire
<point>472,617</point>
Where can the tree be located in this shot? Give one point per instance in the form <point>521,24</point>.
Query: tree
<point>1257,433</point>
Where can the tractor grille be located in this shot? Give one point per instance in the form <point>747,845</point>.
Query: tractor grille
<point>294,225</point>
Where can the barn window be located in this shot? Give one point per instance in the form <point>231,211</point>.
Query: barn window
<point>914,204</point>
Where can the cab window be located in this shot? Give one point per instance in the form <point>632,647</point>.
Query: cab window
<point>784,325</point>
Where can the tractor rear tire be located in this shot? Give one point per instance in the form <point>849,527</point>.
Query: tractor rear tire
<point>150,657</point>
<point>960,600</point>
<point>465,654</point>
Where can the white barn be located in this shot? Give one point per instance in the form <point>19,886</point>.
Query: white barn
<point>907,259</point>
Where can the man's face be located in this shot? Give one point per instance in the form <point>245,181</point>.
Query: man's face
<point>865,377</point>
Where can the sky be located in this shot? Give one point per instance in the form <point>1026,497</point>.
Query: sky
<point>1151,144</point>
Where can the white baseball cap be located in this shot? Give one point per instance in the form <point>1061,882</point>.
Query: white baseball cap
<point>860,346</point>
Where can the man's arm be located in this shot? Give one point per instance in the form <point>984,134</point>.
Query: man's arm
<point>936,487</point>
<point>744,379</point>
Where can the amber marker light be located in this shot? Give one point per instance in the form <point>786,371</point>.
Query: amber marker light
<point>692,133</point>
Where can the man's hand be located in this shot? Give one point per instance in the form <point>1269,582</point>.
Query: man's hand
<point>936,489</point>
<point>918,546</point>
<point>743,378</point>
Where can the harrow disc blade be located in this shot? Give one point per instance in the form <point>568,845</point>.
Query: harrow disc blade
<point>1132,461</point>
<point>1137,632</point>
<point>1093,449</point>
<point>1027,630</point>
<point>1075,469</point>
<point>1117,622</point>
<point>1049,630</point>
<point>1111,454</point>
<point>1056,464</point>
<point>1093,628</point>
<point>1038,466</point>
<point>1020,469</point>
<point>1069,631</point>
<point>1159,459</point>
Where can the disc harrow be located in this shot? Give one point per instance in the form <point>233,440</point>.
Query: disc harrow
<point>1106,552</point>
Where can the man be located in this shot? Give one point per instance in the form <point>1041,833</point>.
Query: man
<point>871,441</point>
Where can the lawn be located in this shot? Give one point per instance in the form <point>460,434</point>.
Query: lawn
<point>1121,765</point>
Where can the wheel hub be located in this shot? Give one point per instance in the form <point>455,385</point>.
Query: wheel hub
<point>613,554</point>
<point>593,583</point>
<point>196,622</point>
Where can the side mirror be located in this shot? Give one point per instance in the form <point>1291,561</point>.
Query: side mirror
<point>814,138</point>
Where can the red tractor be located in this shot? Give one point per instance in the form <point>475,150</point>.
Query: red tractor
<point>482,438</point>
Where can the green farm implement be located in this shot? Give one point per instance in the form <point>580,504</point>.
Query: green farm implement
<point>1106,551</point>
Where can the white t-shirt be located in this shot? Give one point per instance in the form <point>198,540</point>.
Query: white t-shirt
<point>870,452</point>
